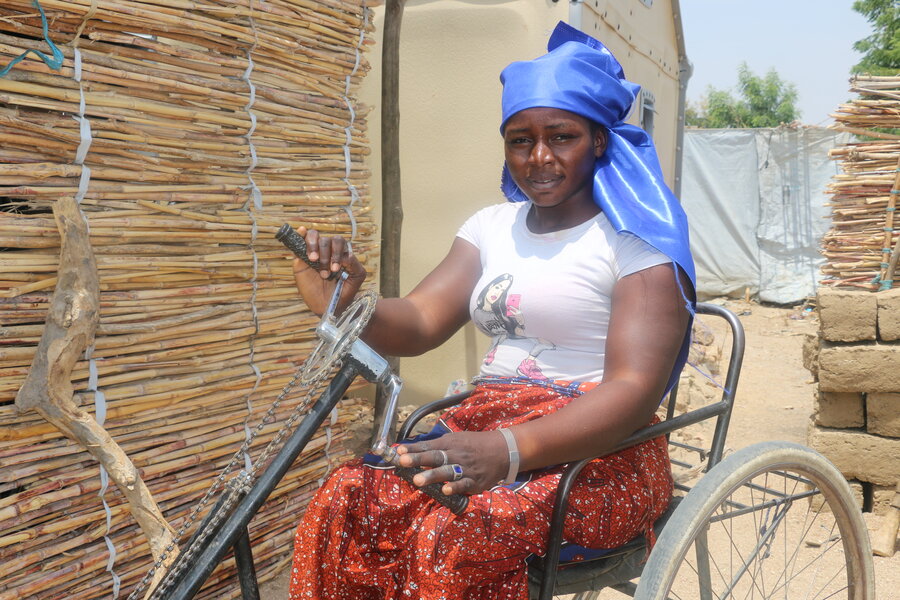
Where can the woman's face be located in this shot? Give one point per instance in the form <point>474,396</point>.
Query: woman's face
<point>495,291</point>
<point>551,153</point>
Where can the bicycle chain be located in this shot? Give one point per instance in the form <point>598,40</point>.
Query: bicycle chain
<point>311,377</point>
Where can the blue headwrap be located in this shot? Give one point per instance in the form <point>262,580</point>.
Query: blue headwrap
<point>580,75</point>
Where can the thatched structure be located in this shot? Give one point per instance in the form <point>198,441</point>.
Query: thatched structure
<point>187,133</point>
<point>862,247</point>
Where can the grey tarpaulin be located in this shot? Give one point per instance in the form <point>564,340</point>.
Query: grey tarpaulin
<point>755,200</point>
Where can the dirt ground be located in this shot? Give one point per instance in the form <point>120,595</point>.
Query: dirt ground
<point>774,402</point>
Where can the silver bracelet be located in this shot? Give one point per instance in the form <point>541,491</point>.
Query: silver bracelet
<point>513,456</point>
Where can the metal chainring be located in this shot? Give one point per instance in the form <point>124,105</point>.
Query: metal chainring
<point>348,328</point>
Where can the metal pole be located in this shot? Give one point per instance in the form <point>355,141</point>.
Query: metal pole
<point>246,570</point>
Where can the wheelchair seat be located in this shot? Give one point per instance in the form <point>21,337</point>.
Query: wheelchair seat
<point>583,569</point>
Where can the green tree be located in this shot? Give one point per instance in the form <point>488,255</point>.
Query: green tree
<point>765,101</point>
<point>881,50</point>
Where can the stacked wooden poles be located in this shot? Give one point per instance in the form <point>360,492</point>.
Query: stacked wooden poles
<point>192,107</point>
<point>864,199</point>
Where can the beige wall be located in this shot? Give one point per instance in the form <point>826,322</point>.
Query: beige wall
<point>643,39</point>
<point>452,52</point>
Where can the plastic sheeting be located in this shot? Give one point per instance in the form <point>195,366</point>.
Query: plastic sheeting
<point>755,200</point>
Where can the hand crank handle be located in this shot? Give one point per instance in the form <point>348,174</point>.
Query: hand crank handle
<point>288,236</point>
<point>457,503</point>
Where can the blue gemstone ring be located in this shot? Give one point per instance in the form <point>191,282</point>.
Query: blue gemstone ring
<point>457,472</point>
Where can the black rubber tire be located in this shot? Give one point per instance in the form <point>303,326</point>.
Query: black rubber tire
<point>742,564</point>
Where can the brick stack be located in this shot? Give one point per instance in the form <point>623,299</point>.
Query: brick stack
<point>856,360</point>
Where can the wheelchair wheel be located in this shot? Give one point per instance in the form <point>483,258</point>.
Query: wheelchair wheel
<point>774,520</point>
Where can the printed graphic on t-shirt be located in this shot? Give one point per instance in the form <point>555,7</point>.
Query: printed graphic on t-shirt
<point>497,312</point>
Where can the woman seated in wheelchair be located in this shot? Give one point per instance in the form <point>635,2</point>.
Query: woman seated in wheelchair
<point>584,282</point>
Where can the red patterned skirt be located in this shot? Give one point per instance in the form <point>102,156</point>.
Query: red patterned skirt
<point>369,535</point>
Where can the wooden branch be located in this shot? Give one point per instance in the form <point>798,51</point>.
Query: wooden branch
<point>71,322</point>
<point>391,202</point>
<point>392,205</point>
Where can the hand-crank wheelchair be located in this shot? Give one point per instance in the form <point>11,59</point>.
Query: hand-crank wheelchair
<point>773,520</point>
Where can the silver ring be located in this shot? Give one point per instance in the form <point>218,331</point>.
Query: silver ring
<point>444,458</point>
<point>457,472</point>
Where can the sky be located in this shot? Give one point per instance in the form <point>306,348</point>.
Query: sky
<point>808,42</point>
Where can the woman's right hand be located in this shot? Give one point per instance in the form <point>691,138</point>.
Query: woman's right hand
<point>314,286</point>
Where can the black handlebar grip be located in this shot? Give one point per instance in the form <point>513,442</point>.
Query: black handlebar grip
<point>457,503</point>
<point>294,242</point>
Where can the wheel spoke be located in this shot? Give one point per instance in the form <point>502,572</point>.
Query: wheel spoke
<point>762,542</point>
<point>817,559</point>
<point>758,577</point>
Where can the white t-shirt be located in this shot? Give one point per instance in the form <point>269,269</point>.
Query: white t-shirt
<point>545,298</point>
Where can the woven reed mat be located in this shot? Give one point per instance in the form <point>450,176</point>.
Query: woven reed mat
<point>864,196</point>
<point>189,132</point>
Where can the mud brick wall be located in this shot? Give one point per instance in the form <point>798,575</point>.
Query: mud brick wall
<point>855,359</point>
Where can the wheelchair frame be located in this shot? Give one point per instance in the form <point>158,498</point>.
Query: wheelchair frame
<point>721,410</point>
<point>616,569</point>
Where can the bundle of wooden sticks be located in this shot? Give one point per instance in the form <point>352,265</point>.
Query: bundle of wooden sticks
<point>861,249</point>
<point>189,132</point>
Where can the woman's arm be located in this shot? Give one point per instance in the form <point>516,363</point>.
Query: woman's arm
<point>408,326</point>
<point>433,311</point>
<point>647,326</point>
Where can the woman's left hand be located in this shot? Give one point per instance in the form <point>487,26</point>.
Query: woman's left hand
<point>482,455</point>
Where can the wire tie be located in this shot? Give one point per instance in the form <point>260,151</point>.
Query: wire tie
<point>100,417</point>
<point>83,184</point>
<point>348,130</point>
<point>257,203</point>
